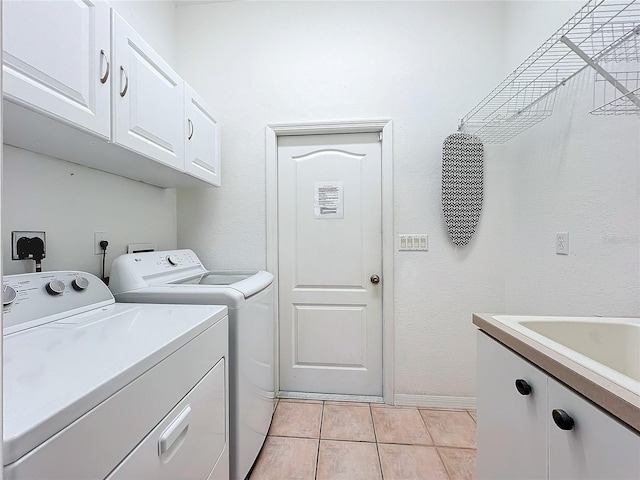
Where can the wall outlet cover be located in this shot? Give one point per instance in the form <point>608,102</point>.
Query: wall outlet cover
<point>562,243</point>
<point>97,238</point>
<point>30,234</point>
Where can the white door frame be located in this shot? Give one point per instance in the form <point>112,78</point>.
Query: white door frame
<point>383,127</point>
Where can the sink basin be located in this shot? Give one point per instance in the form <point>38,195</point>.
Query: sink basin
<point>607,346</point>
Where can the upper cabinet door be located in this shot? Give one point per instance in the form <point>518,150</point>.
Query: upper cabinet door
<point>202,139</point>
<point>148,99</point>
<point>57,60</point>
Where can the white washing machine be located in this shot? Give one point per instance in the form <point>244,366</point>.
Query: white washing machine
<point>178,276</point>
<point>93,389</point>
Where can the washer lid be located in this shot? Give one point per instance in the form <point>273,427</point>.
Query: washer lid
<point>55,373</point>
<point>247,283</point>
<point>135,273</point>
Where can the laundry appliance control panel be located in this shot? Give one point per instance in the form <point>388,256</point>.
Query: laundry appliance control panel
<point>32,299</point>
<point>139,270</point>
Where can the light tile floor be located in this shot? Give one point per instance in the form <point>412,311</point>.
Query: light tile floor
<point>351,441</point>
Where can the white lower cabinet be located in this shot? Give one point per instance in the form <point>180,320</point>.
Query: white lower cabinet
<point>512,427</point>
<point>597,447</point>
<point>519,438</point>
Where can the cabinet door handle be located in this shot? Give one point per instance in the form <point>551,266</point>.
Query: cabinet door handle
<point>523,387</point>
<point>105,76</point>
<point>123,91</point>
<point>190,129</point>
<point>562,419</point>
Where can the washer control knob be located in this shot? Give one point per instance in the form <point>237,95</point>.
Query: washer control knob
<point>173,260</point>
<point>80,284</point>
<point>9,295</point>
<point>55,287</point>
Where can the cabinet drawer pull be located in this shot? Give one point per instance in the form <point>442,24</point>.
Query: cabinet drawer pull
<point>190,128</point>
<point>105,76</point>
<point>562,419</point>
<point>123,92</point>
<point>523,387</point>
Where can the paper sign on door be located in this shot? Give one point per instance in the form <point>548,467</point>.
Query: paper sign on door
<point>329,200</point>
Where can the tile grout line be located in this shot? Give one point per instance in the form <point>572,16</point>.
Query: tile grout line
<point>340,440</point>
<point>319,436</point>
<point>474,420</point>
<point>375,438</point>
<point>424,422</point>
<point>426,427</point>
<point>446,469</point>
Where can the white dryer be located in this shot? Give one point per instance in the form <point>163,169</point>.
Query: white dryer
<point>93,389</point>
<point>178,276</point>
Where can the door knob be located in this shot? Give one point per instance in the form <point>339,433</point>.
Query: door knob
<point>375,279</point>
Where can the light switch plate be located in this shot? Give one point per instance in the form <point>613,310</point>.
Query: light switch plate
<point>413,242</point>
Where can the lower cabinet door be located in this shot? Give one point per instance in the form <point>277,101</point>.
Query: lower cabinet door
<point>512,428</point>
<point>593,446</point>
<point>191,442</point>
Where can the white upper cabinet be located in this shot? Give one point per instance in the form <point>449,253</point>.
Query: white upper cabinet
<point>56,60</point>
<point>202,139</point>
<point>148,99</point>
<point>81,85</point>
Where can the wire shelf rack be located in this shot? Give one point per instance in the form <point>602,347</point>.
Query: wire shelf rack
<point>607,99</point>
<point>601,31</point>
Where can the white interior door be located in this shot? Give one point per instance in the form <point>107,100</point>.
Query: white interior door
<point>330,250</point>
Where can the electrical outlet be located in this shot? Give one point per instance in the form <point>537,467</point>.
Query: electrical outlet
<point>97,238</point>
<point>562,243</point>
<point>17,235</point>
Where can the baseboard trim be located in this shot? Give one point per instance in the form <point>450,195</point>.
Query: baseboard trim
<point>434,401</point>
<point>331,397</point>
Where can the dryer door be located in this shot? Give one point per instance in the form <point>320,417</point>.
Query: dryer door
<point>190,442</point>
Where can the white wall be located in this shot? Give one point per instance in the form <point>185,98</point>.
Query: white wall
<point>70,202</point>
<point>579,173</point>
<point>421,64</point>
<point>155,21</point>
<point>528,24</point>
